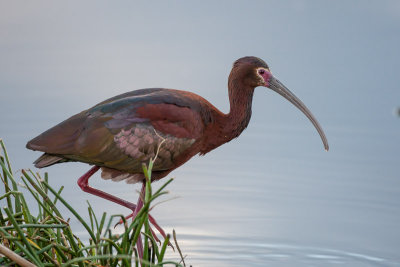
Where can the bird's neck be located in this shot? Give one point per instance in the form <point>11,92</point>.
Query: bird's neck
<point>240,98</point>
<point>225,127</point>
<point>231,125</point>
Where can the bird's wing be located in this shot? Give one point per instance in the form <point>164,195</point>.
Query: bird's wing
<point>122,133</point>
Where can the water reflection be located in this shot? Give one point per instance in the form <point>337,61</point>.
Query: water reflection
<point>232,251</point>
<point>253,203</point>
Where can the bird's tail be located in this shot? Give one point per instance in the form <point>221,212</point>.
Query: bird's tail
<point>47,160</point>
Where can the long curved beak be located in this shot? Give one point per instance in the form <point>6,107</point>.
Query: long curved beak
<point>278,87</point>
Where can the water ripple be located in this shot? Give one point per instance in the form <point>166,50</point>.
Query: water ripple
<point>205,250</point>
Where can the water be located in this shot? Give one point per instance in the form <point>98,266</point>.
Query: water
<point>298,213</point>
<point>250,204</point>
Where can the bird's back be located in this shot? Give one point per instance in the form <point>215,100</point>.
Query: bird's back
<point>124,131</point>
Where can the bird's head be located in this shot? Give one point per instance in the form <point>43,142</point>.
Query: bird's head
<point>251,71</point>
<point>254,72</point>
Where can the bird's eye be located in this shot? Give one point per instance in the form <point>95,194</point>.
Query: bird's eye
<point>261,71</point>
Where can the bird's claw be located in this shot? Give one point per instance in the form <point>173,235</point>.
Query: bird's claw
<point>121,221</point>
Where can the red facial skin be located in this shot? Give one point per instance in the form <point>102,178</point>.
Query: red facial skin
<point>266,75</point>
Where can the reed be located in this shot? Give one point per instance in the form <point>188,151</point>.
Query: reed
<point>42,236</point>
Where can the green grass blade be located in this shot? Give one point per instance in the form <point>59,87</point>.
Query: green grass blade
<point>6,185</point>
<point>164,248</point>
<point>89,258</point>
<point>42,226</point>
<point>34,258</point>
<point>46,239</point>
<point>72,211</point>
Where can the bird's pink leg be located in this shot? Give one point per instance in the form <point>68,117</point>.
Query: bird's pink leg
<point>83,183</point>
<point>139,206</point>
<point>154,223</point>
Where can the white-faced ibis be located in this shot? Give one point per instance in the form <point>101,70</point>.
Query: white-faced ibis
<point>120,133</point>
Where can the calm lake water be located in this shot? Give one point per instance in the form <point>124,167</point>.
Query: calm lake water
<point>251,203</point>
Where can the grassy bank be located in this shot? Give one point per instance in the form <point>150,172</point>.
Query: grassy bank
<point>42,236</point>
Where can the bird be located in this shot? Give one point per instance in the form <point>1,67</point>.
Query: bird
<point>121,133</point>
